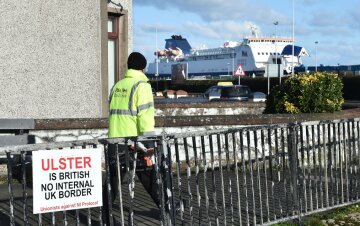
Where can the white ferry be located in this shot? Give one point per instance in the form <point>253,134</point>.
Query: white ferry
<point>253,53</point>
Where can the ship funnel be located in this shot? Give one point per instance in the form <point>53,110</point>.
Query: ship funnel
<point>178,42</point>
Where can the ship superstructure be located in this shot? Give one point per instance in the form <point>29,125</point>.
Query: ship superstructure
<point>253,53</point>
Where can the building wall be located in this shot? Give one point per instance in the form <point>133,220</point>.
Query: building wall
<point>53,59</point>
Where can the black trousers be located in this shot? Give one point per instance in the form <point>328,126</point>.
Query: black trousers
<point>146,175</point>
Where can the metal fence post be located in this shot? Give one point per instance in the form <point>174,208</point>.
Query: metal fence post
<point>10,188</point>
<point>165,169</point>
<point>293,157</point>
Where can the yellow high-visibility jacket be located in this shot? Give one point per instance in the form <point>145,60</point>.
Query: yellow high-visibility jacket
<point>131,106</point>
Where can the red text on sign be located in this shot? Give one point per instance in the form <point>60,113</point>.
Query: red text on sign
<point>66,163</point>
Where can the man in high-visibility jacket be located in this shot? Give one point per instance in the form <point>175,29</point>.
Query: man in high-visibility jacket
<point>131,115</point>
<point>131,102</point>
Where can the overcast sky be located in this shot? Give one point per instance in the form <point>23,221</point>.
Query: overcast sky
<point>335,24</point>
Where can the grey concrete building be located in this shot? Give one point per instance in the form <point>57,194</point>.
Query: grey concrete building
<point>58,59</point>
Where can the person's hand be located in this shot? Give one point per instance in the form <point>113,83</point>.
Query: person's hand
<point>142,149</point>
<point>149,152</point>
<point>132,147</point>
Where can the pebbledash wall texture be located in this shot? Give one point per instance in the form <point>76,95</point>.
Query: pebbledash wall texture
<point>53,58</point>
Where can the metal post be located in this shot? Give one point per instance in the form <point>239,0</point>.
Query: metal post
<point>233,62</point>
<point>10,188</point>
<point>276,54</point>
<point>293,36</point>
<point>168,201</point>
<point>268,80</point>
<point>316,55</point>
<point>293,158</point>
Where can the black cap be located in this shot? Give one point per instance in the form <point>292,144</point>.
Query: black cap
<point>136,61</point>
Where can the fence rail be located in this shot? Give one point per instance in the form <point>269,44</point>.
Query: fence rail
<point>244,176</point>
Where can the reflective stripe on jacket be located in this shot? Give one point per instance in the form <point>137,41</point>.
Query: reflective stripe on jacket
<point>131,106</point>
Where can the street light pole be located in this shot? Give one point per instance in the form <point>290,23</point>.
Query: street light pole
<point>157,61</point>
<point>276,54</point>
<point>293,36</point>
<point>233,62</point>
<point>157,56</point>
<point>316,55</point>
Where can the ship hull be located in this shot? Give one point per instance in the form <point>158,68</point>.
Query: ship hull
<point>253,54</point>
<point>210,67</point>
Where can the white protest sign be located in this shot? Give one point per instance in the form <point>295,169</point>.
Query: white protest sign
<point>66,179</point>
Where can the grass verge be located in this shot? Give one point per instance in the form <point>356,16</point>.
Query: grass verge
<point>349,215</point>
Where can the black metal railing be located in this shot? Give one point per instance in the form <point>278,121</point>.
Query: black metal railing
<point>241,176</point>
<point>264,174</point>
